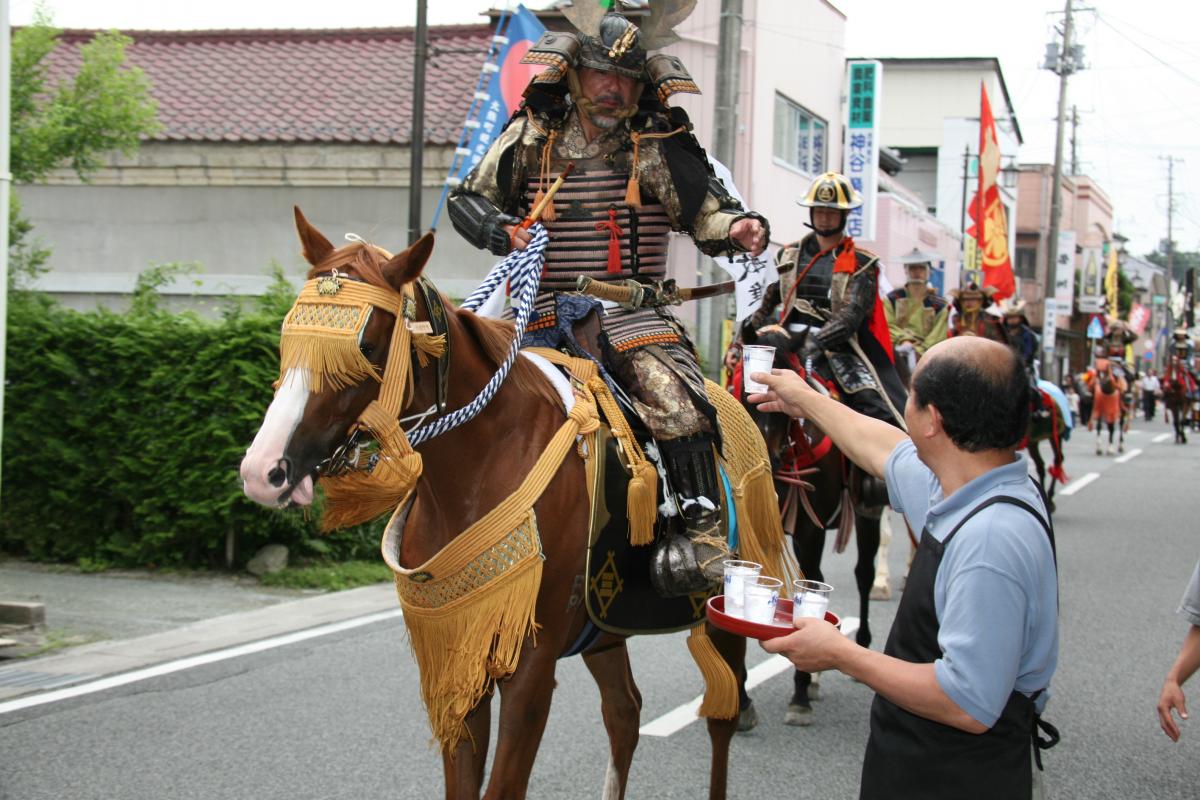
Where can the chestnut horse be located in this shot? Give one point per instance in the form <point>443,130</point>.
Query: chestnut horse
<point>818,490</point>
<point>1176,385</point>
<point>467,471</point>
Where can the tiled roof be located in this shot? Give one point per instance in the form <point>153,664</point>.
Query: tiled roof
<point>300,85</point>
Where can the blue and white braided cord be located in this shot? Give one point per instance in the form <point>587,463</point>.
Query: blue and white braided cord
<point>523,270</point>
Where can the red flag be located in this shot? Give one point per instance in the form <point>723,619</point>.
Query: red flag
<point>987,212</point>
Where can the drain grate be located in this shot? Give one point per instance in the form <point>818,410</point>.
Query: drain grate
<point>28,679</point>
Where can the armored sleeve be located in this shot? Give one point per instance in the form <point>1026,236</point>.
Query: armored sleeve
<point>488,198</point>
<point>845,322</point>
<point>677,172</point>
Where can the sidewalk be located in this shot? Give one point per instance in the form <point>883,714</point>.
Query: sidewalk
<point>129,620</point>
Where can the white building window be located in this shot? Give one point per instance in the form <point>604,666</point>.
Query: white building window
<point>800,136</point>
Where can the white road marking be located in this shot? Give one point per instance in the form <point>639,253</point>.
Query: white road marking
<point>193,661</point>
<point>680,717</point>
<point>1162,437</point>
<point>1077,484</point>
<point>1133,432</point>
<point>1132,454</point>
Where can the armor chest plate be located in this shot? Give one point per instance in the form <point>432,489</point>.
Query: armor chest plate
<point>816,285</point>
<point>580,236</point>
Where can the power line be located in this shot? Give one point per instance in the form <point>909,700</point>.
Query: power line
<point>1150,53</point>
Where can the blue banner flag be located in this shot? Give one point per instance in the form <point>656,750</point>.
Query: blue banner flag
<point>497,94</point>
<point>506,79</point>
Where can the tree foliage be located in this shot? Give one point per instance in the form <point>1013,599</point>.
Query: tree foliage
<point>1181,262</point>
<point>104,106</point>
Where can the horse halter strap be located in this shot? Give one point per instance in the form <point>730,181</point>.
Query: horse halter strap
<point>324,329</point>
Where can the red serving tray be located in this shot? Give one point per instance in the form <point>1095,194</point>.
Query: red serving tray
<point>782,625</point>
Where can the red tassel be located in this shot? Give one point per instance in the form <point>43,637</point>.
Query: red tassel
<point>614,241</point>
<point>847,260</point>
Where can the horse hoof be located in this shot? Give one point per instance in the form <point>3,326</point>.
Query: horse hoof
<point>1099,452</point>
<point>799,716</point>
<point>747,719</point>
<point>881,591</point>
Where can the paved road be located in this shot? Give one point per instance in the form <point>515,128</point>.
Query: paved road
<point>338,715</point>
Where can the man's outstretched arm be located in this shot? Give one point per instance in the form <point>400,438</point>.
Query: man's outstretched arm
<point>866,441</point>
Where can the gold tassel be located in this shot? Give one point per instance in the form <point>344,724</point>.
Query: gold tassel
<point>328,358</point>
<point>642,503</point>
<point>462,647</point>
<point>361,497</point>
<point>428,345</point>
<point>760,531</point>
<point>633,190</point>
<point>549,214</point>
<point>720,685</point>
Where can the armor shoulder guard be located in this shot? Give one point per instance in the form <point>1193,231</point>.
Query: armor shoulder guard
<point>669,77</point>
<point>865,257</point>
<point>787,255</point>
<point>897,294</point>
<point>937,301</point>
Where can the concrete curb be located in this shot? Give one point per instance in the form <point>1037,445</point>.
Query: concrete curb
<point>89,662</point>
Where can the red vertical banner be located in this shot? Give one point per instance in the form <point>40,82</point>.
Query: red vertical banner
<point>987,211</point>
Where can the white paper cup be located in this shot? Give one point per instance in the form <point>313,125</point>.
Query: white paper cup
<point>736,575</point>
<point>762,596</point>
<point>756,358</point>
<point>810,599</point>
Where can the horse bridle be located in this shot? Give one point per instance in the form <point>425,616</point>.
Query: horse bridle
<point>347,457</point>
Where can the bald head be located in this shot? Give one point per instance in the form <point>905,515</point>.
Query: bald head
<point>979,387</point>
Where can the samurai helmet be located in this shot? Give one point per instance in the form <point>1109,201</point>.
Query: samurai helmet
<point>831,190</point>
<point>1012,307</point>
<point>609,41</point>
<point>918,258</point>
<point>972,292</point>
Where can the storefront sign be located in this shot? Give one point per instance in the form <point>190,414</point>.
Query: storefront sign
<point>860,162</point>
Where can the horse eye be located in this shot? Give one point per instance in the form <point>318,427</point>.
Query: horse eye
<point>366,348</point>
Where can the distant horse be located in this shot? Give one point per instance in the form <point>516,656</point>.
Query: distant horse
<point>310,432</point>
<point>1108,387</point>
<point>1177,400</point>
<point>819,489</point>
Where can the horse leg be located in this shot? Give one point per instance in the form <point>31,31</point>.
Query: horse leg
<point>720,731</point>
<point>621,706</point>
<point>524,707</point>
<point>1035,454</point>
<point>867,538</point>
<point>463,767</point>
<point>808,542</point>
<point>1099,433</point>
<point>880,588</point>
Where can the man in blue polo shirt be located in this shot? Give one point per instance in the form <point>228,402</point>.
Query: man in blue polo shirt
<point>966,667</point>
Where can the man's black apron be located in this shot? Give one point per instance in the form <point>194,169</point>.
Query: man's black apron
<point>912,757</point>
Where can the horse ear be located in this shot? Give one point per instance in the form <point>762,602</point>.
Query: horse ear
<point>407,266</point>
<point>749,334</point>
<point>315,246</point>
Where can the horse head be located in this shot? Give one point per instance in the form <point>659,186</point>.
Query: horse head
<point>336,346</point>
<point>776,428</point>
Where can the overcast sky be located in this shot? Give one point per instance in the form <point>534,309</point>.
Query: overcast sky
<point>1138,99</point>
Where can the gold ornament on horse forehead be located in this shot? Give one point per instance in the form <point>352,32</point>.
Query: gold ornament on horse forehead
<point>329,284</point>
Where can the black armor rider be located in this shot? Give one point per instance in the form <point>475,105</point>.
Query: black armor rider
<point>638,174</point>
<point>830,290</point>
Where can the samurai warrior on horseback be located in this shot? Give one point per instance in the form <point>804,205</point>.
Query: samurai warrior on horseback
<point>601,105</point>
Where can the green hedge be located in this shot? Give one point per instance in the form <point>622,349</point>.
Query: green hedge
<point>123,434</point>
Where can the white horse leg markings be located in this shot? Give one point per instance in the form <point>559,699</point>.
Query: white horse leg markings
<point>271,441</point>
<point>612,783</point>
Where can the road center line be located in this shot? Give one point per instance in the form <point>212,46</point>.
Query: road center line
<point>1132,454</point>
<point>181,664</point>
<point>680,717</point>
<point>1162,437</point>
<point>1077,484</point>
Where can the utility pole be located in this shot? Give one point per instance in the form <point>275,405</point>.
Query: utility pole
<point>1074,139</point>
<point>5,187</point>
<point>1062,62</point>
<point>963,214</point>
<point>725,120</point>
<point>417,141</point>
<point>1171,162</point>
